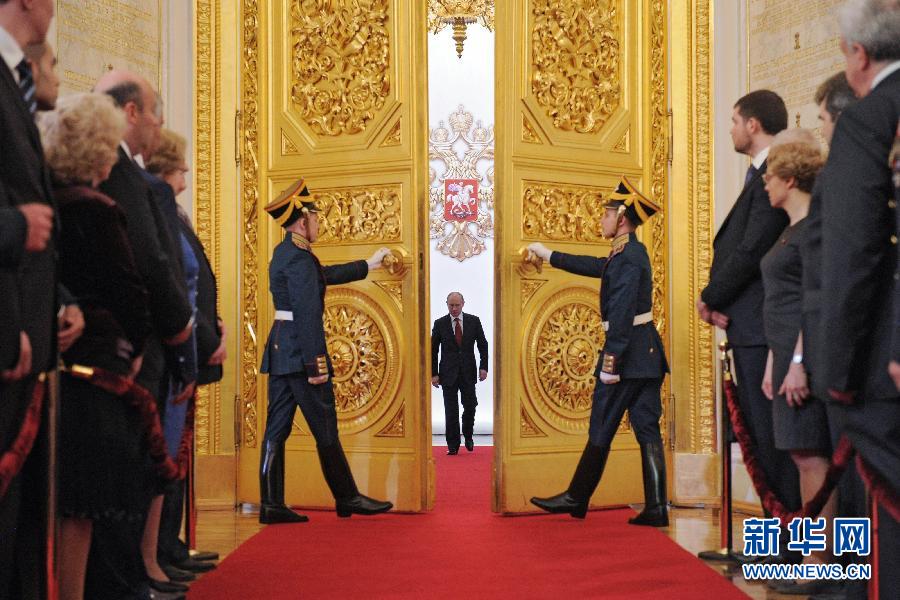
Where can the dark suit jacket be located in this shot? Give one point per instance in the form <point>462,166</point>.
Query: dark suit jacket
<point>149,236</point>
<point>457,364</point>
<point>297,281</point>
<point>858,256</point>
<point>735,282</point>
<point>27,279</point>
<point>895,353</point>
<point>207,331</point>
<point>626,291</point>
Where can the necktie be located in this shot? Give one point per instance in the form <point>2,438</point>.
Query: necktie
<point>751,173</point>
<point>26,85</point>
<point>458,332</point>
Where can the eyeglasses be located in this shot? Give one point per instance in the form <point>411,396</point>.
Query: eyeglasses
<point>768,177</point>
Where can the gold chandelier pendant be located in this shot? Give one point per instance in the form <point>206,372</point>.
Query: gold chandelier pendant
<point>459,14</point>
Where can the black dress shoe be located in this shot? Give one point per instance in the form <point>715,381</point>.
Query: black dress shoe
<point>168,587</point>
<point>194,566</point>
<point>176,574</point>
<point>470,444</point>
<point>204,555</point>
<point>453,451</point>
<point>274,513</point>
<point>562,503</point>
<point>361,505</point>
<point>654,517</point>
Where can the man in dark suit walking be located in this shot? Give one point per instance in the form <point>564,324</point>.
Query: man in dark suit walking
<point>28,302</point>
<point>454,336</point>
<point>733,298</point>
<point>859,261</point>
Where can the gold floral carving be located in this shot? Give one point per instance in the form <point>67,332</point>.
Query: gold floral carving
<point>288,147</point>
<point>529,135</point>
<point>528,288</point>
<point>340,71</point>
<point>396,427</point>
<point>561,212</point>
<point>624,145</point>
<point>560,356</point>
<point>576,62</point>
<point>249,210</point>
<point>527,426</point>
<point>364,354</point>
<point>474,160</point>
<point>393,136</point>
<point>394,289</point>
<point>353,215</point>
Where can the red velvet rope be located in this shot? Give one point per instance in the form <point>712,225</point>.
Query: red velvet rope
<point>839,461</point>
<point>12,460</point>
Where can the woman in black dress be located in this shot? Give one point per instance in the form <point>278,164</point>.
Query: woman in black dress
<point>798,417</point>
<point>102,451</point>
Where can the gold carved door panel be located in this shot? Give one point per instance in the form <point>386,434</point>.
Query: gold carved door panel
<point>337,96</point>
<point>584,102</point>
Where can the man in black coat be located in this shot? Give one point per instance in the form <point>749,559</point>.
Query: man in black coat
<point>859,260</point>
<point>733,298</point>
<point>455,336</point>
<point>28,303</point>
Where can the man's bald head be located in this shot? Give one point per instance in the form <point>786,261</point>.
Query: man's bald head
<point>137,98</point>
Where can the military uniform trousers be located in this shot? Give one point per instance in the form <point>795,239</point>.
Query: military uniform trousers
<point>316,402</point>
<point>642,400</point>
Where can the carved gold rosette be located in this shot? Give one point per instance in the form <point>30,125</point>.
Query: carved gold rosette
<point>560,355</point>
<point>461,150</point>
<point>364,355</point>
<point>340,71</point>
<point>576,61</point>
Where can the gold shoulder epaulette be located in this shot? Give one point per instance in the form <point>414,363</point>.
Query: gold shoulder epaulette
<point>618,243</point>
<point>301,242</point>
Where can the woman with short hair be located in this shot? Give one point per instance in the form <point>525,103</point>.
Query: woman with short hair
<point>101,446</point>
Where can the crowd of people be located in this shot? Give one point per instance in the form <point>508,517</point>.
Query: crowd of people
<point>105,283</point>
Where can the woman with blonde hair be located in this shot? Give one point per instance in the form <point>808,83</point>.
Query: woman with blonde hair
<point>799,419</point>
<point>101,447</point>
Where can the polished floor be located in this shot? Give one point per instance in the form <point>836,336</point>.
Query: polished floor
<point>694,529</point>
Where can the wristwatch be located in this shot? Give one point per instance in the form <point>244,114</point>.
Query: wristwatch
<point>798,359</point>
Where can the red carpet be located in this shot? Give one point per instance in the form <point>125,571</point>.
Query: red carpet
<point>461,550</point>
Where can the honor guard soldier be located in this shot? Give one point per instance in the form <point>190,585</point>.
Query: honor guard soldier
<point>297,361</point>
<point>632,364</point>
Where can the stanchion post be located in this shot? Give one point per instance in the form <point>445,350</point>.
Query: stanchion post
<point>724,552</point>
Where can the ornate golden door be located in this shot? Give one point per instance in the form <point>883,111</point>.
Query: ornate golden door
<point>583,101</point>
<point>334,91</point>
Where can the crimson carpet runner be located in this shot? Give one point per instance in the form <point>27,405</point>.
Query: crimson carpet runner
<point>461,550</point>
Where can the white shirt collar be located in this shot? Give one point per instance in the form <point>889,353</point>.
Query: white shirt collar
<point>885,73</point>
<point>11,52</point>
<point>760,158</point>
<point>135,157</point>
<point>460,317</point>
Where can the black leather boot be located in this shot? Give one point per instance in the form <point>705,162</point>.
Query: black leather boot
<point>348,501</point>
<point>271,488</point>
<point>587,475</point>
<point>653,463</point>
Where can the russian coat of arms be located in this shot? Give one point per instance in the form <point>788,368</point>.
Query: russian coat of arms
<point>462,185</point>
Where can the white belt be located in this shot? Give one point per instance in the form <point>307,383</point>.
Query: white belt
<point>284,315</point>
<point>640,319</point>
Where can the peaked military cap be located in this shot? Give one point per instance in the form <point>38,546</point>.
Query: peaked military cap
<point>636,206</point>
<point>289,205</point>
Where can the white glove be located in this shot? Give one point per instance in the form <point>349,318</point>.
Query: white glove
<point>374,261</point>
<point>540,250</point>
<point>608,378</point>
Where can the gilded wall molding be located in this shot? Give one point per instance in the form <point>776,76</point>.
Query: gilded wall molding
<point>576,62</point>
<point>394,289</point>
<point>527,288</point>
<point>527,426</point>
<point>354,215</point>
<point>340,72</point>
<point>396,427</point>
<point>249,202</point>
<point>553,211</point>
<point>393,138</point>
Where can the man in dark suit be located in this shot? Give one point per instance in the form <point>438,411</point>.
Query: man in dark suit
<point>631,365</point>
<point>733,298</point>
<point>859,260</point>
<point>116,566</point>
<point>455,336</point>
<point>28,304</point>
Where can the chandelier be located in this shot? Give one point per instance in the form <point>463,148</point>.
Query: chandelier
<point>459,14</point>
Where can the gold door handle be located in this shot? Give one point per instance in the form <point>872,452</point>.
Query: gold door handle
<point>531,262</point>
<point>395,263</point>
